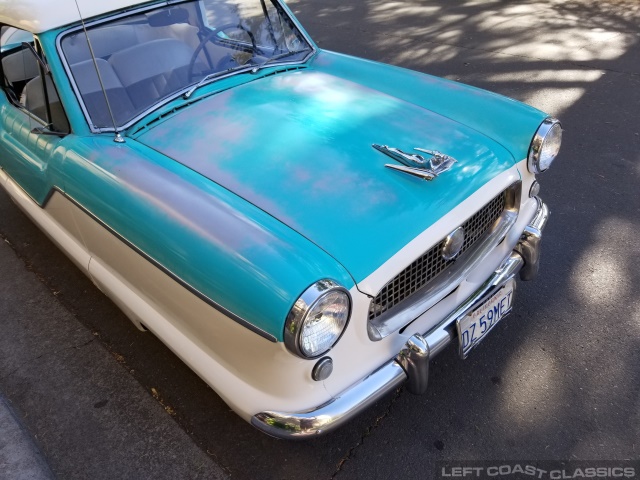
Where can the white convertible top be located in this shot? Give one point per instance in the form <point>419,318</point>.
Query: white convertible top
<point>38,16</point>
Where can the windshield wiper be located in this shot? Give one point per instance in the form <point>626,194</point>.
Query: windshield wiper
<point>211,76</point>
<point>257,68</point>
<point>243,68</point>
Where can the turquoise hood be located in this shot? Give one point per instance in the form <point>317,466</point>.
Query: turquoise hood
<point>298,145</point>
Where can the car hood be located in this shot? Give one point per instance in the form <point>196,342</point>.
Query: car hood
<point>298,145</point>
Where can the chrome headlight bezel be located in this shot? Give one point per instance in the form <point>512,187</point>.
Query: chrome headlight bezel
<point>550,126</point>
<point>298,315</point>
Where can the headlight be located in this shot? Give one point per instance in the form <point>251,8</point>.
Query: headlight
<point>317,319</point>
<point>545,145</point>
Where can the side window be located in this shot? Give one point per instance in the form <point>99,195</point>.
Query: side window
<point>26,81</point>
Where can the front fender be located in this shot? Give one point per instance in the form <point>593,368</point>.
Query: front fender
<point>244,261</point>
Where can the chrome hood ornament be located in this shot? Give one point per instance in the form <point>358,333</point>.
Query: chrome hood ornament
<point>417,165</point>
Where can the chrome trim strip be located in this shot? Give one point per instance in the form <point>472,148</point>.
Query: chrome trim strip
<point>416,304</point>
<point>326,417</point>
<point>163,102</point>
<point>150,259</point>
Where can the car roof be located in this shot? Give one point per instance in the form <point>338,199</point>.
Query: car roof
<point>37,16</point>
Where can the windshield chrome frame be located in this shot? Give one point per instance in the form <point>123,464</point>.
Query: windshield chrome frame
<point>160,103</point>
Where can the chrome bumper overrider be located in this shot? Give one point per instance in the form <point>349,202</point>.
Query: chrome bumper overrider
<point>412,362</point>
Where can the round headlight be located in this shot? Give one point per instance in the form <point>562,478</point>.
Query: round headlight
<point>545,145</point>
<point>317,319</point>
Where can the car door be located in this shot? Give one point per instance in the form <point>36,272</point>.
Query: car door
<point>32,120</point>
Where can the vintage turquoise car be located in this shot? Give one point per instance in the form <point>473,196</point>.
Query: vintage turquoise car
<point>304,229</point>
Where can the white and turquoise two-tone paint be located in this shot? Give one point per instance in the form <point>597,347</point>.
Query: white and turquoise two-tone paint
<point>226,202</point>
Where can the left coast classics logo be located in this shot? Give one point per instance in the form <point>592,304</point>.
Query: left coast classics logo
<point>538,470</point>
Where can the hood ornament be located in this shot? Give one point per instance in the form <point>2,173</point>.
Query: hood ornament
<point>417,165</point>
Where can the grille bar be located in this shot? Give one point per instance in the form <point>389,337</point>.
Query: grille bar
<point>431,264</point>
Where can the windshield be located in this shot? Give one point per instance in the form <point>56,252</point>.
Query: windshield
<point>149,57</point>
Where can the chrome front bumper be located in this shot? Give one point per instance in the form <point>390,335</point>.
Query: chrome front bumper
<point>411,364</point>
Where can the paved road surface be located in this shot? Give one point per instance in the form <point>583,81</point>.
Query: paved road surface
<point>560,379</point>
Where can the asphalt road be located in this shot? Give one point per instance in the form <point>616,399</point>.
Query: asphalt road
<point>560,378</point>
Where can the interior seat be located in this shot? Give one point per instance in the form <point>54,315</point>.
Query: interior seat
<point>88,83</point>
<point>104,41</point>
<point>153,70</point>
<point>34,100</point>
<point>20,66</point>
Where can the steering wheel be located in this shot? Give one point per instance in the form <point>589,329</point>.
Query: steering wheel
<point>208,37</point>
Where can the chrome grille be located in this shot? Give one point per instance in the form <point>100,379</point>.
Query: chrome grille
<point>431,263</point>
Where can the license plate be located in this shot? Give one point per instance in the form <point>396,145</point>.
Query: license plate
<point>474,326</point>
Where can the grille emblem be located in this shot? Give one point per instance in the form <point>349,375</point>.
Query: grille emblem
<point>453,244</point>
